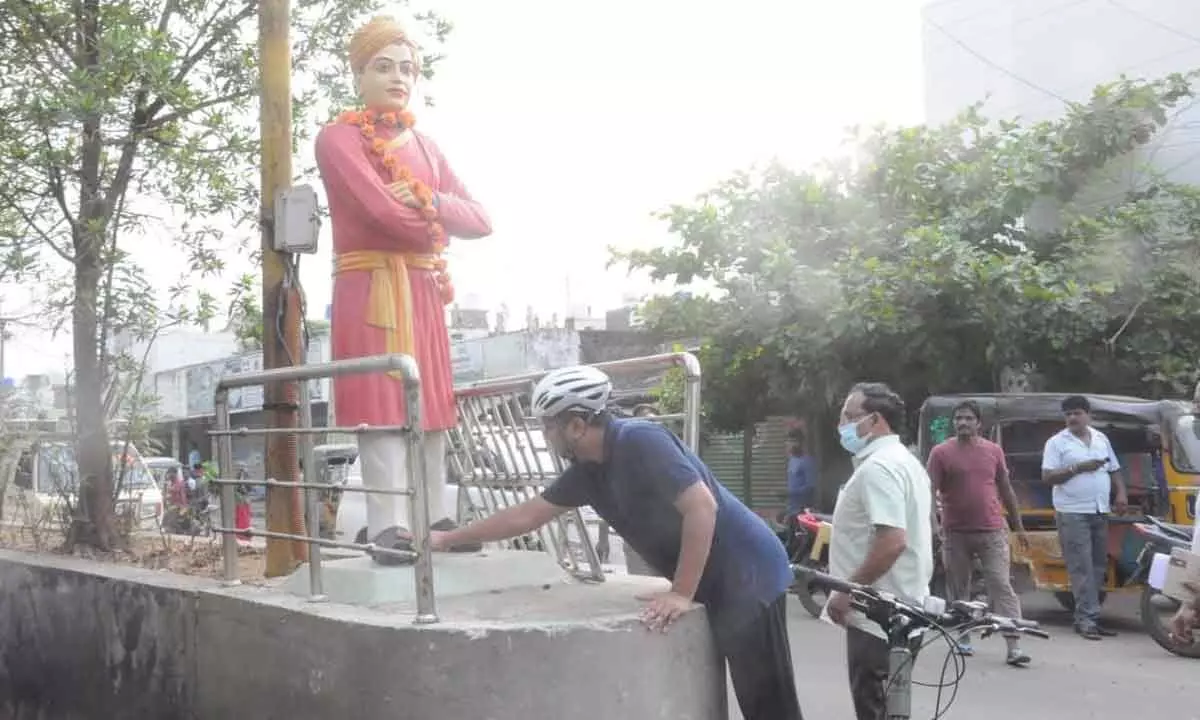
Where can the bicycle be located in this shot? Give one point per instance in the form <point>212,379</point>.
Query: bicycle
<point>906,624</point>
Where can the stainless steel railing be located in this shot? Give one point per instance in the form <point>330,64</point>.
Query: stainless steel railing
<point>417,488</point>
<point>501,459</point>
<point>685,360</point>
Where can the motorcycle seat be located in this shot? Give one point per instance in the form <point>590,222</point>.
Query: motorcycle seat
<point>1179,532</point>
<point>1167,534</point>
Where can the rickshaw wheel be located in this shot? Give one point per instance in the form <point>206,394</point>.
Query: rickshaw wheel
<point>1067,600</point>
<point>1157,629</point>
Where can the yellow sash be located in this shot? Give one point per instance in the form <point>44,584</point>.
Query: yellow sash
<point>389,304</point>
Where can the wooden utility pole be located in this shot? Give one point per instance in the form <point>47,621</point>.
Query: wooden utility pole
<point>279,283</point>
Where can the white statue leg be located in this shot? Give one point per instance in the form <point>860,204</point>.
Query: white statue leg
<point>383,459</point>
<point>435,471</point>
<point>443,506</point>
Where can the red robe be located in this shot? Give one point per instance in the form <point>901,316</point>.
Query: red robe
<point>366,216</point>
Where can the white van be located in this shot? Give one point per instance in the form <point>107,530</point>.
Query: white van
<point>47,477</point>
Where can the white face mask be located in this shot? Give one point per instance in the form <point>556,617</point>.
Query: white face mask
<point>851,441</point>
<point>848,435</point>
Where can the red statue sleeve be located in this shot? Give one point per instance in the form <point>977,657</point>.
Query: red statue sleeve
<point>460,214</point>
<point>348,175</point>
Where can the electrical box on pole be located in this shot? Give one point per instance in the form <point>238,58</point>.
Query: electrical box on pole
<point>297,220</point>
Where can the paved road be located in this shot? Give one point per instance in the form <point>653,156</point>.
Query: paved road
<point>1071,678</point>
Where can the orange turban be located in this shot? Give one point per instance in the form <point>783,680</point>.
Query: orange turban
<point>373,37</point>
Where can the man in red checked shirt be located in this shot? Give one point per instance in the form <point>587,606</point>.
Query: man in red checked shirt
<point>970,476</point>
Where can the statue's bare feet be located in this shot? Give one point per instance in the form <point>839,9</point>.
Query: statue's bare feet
<point>446,525</point>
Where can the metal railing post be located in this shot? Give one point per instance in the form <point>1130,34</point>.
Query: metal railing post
<point>691,401</point>
<point>417,490</point>
<point>312,496</point>
<point>418,483</point>
<point>224,444</point>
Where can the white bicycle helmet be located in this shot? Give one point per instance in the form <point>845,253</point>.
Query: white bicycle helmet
<point>582,388</point>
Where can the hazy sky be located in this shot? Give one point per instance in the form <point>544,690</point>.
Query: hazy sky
<point>573,123</point>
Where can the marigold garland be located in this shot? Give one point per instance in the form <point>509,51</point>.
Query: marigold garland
<point>367,122</point>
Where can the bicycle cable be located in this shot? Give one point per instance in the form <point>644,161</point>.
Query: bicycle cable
<point>939,632</point>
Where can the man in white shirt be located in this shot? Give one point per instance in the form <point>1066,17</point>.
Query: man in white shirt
<point>882,533</point>
<point>1080,463</point>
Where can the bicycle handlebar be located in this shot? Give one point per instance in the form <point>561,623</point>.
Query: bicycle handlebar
<point>883,607</point>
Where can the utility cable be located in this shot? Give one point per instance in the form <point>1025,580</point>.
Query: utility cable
<point>1156,23</point>
<point>994,65</point>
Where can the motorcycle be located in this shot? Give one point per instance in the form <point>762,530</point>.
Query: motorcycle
<point>805,537</point>
<point>1156,608</point>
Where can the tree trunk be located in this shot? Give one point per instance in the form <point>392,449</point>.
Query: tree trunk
<point>834,465</point>
<point>94,522</point>
<point>748,463</point>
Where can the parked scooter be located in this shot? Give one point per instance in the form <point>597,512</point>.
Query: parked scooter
<point>1157,608</point>
<point>805,536</point>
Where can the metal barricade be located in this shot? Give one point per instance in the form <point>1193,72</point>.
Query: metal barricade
<point>501,459</point>
<point>417,488</point>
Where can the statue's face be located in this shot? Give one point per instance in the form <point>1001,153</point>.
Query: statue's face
<point>387,80</point>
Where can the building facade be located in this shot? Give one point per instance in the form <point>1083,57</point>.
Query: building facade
<point>1030,58</point>
<point>184,412</point>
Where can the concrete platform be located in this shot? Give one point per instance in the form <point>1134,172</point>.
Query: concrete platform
<point>158,645</point>
<point>360,581</point>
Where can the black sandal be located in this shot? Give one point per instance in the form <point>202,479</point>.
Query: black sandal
<point>393,538</point>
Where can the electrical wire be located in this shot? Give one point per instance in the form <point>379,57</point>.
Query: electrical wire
<point>993,64</point>
<point>1156,23</point>
<point>290,283</point>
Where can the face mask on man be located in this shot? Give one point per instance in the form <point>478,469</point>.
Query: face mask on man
<point>851,441</point>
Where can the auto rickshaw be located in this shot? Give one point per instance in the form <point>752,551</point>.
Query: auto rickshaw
<point>1156,442</point>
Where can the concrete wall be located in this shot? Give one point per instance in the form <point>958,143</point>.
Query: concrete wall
<point>80,640</point>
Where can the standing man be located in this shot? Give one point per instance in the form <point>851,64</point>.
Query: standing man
<point>665,503</point>
<point>194,457</point>
<point>970,476</point>
<point>882,534</point>
<point>801,475</point>
<point>1081,465</point>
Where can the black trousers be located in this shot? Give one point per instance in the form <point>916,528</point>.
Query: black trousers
<point>867,659</point>
<point>760,664</point>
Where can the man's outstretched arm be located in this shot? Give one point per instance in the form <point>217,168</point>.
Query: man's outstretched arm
<point>509,522</point>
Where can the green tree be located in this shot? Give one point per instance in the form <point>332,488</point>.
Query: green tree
<point>943,255</point>
<point>136,117</point>
<point>245,313</point>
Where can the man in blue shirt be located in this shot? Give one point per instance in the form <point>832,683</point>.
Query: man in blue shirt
<point>801,475</point>
<point>665,503</point>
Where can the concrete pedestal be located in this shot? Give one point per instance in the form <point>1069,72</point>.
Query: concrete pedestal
<point>184,647</point>
<point>360,581</point>
<point>635,565</point>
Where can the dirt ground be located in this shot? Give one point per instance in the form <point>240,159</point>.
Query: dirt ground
<point>174,553</point>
